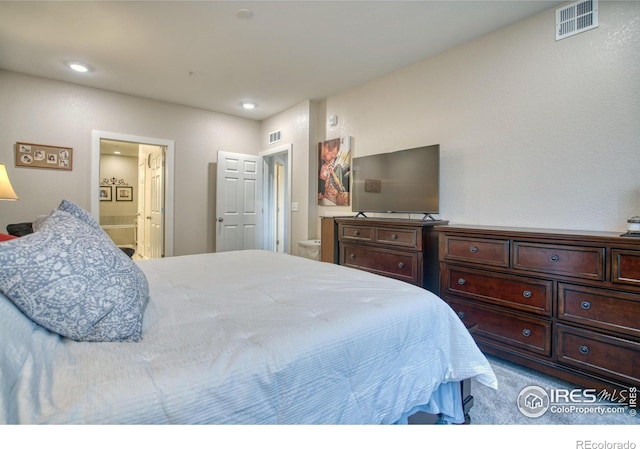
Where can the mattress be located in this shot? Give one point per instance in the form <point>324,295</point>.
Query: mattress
<point>249,337</point>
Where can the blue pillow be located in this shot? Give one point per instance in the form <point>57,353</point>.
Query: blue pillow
<point>73,280</point>
<point>80,214</point>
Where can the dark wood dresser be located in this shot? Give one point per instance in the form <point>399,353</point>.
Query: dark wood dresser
<point>566,303</point>
<point>399,248</point>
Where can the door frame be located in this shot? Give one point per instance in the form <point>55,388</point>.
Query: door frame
<point>96,137</point>
<point>268,223</point>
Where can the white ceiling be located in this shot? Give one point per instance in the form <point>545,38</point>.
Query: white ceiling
<point>201,54</point>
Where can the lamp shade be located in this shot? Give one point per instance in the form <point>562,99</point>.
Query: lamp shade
<point>6,190</point>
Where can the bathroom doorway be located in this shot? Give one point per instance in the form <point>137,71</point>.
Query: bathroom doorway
<point>133,178</point>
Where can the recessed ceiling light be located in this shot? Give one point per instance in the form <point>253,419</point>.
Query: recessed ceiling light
<point>248,105</point>
<point>244,13</point>
<point>78,67</point>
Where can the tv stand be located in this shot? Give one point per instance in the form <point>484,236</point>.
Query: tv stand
<point>428,217</point>
<point>403,249</point>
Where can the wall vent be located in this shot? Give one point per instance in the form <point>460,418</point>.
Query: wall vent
<point>274,137</point>
<point>576,18</point>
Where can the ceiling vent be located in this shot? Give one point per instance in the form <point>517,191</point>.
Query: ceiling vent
<point>576,18</point>
<point>274,137</point>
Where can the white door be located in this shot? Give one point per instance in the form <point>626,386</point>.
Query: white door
<point>279,196</point>
<point>238,202</point>
<point>140,220</point>
<point>156,211</point>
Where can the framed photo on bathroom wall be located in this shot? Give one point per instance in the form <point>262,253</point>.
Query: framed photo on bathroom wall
<point>124,193</point>
<point>105,193</point>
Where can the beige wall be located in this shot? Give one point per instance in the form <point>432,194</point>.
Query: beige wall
<point>126,169</point>
<point>533,132</point>
<point>42,111</point>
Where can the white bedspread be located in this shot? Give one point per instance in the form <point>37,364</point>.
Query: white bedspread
<point>249,337</point>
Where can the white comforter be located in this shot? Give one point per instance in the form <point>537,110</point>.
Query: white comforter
<point>249,337</point>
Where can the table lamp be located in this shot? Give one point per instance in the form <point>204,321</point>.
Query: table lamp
<point>6,190</point>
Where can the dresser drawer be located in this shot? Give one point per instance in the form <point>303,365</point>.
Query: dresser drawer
<point>625,266</point>
<point>599,354</point>
<point>603,309</point>
<point>407,238</point>
<point>354,232</point>
<point>397,264</point>
<point>515,292</point>
<point>493,252</point>
<point>566,260</point>
<point>505,329</point>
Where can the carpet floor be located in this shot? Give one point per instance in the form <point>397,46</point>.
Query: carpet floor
<point>501,406</point>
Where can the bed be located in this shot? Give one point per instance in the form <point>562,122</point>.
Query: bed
<point>243,337</point>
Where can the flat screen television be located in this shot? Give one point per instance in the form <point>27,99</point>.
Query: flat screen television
<point>399,181</point>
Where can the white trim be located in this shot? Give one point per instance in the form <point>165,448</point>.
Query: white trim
<point>96,136</point>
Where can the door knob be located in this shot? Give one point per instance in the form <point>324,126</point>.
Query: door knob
<point>220,219</point>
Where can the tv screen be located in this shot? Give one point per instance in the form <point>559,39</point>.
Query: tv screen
<point>399,181</point>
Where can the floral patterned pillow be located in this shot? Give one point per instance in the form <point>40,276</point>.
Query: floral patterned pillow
<point>71,279</point>
<point>80,214</point>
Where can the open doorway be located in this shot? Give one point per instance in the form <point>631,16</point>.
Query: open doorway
<point>132,192</point>
<point>277,199</point>
<point>119,206</point>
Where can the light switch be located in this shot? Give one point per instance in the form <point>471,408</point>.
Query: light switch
<point>294,207</point>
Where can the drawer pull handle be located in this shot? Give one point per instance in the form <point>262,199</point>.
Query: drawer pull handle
<point>401,265</point>
<point>584,349</point>
<point>461,281</point>
<point>352,256</point>
<point>461,315</point>
<point>585,305</point>
<point>473,249</point>
<point>526,332</point>
<point>526,294</point>
<point>394,236</point>
<point>554,258</point>
<point>356,233</point>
